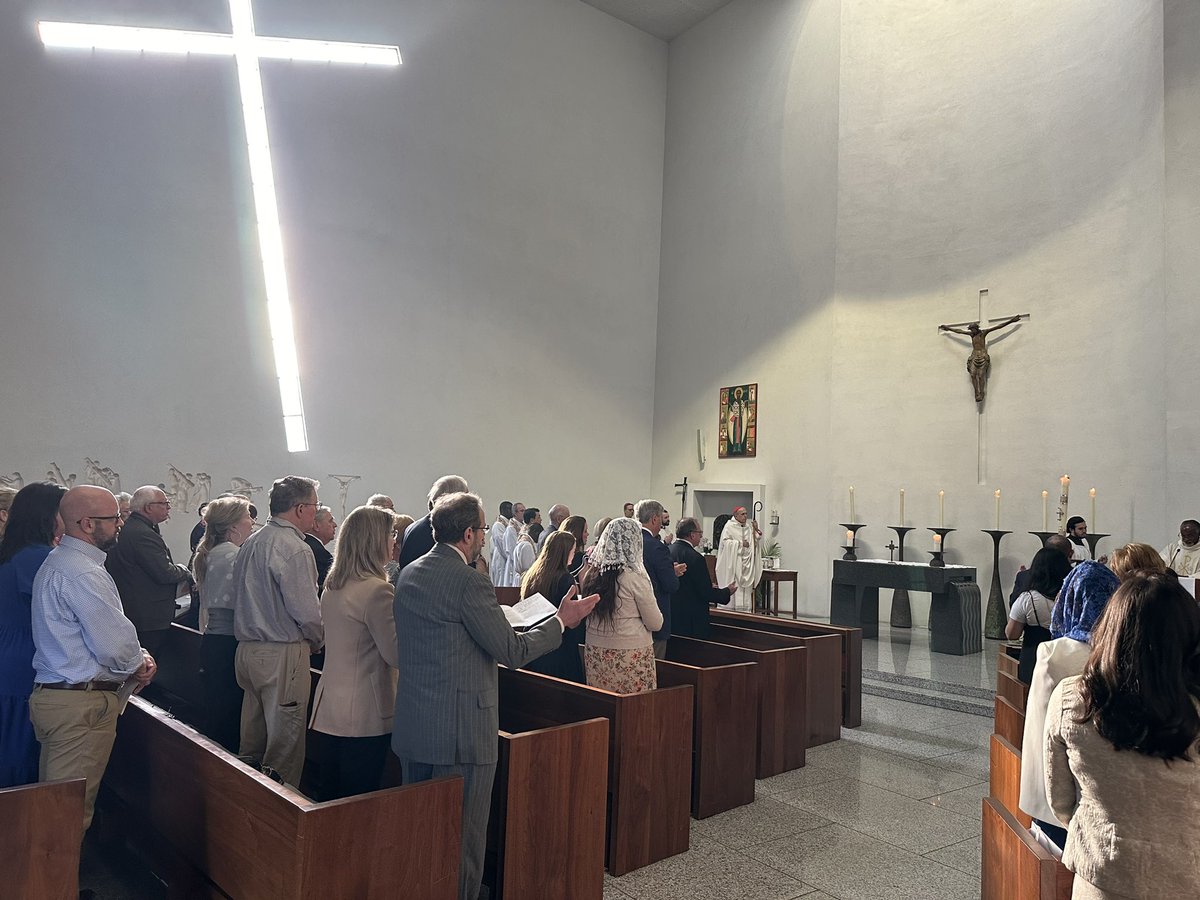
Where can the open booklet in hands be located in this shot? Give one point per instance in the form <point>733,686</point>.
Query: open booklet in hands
<point>531,611</point>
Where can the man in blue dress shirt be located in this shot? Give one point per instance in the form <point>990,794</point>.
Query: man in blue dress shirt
<point>86,647</point>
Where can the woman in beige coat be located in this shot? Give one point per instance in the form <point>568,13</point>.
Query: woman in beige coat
<point>356,695</point>
<point>1122,743</point>
<point>619,653</point>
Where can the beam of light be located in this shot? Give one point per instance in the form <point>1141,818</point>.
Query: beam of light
<point>247,48</point>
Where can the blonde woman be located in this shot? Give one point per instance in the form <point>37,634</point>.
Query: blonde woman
<point>7,495</point>
<point>356,696</point>
<point>227,525</point>
<point>1124,561</point>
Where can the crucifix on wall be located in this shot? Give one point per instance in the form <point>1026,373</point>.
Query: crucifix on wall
<point>979,366</point>
<point>979,363</point>
<point>247,48</point>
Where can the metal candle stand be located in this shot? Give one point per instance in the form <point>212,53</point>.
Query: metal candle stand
<point>938,560</point>
<point>1093,540</point>
<point>996,615</point>
<point>1043,536</point>
<point>849,554</point>
<point>901,607</point>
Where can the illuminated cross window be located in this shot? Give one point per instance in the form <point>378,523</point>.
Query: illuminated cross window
<point>247,48</point>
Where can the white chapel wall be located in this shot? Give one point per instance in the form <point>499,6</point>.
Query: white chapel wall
<point>1014,147</point>
<point>472,247</point>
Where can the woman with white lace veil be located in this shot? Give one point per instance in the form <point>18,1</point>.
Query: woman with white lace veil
<point>619,653</point>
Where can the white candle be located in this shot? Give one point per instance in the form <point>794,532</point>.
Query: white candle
<point>1045,510</point>
<point>1092,524</point>
<point>997,509</point>
<point>851,504</point>
<point>901,507</point>
<point>941,509</point>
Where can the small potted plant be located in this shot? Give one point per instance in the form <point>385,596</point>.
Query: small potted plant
<point>771,555</point>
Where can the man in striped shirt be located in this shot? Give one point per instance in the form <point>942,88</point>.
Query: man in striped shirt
<point>86,647</point>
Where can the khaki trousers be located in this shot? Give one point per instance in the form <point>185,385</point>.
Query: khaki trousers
<point>276,682</point>
<point>76,730</point>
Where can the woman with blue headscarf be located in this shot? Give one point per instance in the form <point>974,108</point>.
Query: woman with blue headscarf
<point>1080,602</point>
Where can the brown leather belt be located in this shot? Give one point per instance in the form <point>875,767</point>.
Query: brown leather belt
<point>85,686</point>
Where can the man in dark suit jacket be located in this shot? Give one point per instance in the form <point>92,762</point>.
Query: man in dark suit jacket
<point>689,605</point>
<point>147,578</point>
<point>323,530</point>
<point>450,634</point>
<point>418,537</point>
<point>664,575</point>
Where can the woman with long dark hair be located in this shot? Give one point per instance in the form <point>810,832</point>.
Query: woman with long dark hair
<point>619,654</point>
<point>576,526</point>
<point>33,529</point>
<point>1122,743</point>
<point>551,577</point>
<point>228,521</point>
<point>1029,618</point>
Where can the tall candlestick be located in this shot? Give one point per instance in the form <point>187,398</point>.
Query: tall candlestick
<point>941,509</point>
<point>1045,510</point>
<point>902,506</point>
<point>1092,524</point>
<point>997,509</point>
<point>1063,499</point>
<point>852,503</point>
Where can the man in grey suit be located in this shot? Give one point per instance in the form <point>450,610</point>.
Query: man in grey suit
<point>450,635</point>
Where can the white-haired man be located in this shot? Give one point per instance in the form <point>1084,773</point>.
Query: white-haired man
<point>418,537</point>
<point>148,579</point>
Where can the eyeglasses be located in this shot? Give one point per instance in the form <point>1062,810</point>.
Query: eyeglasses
<point>166,503</point>
<point>79,522</point>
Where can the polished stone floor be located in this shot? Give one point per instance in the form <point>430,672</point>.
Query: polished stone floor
<point>889,812</point>
<point>905,651</point>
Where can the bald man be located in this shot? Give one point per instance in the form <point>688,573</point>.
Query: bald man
<point>558,514</point>
<point>147,578</point>
<point>86,647</point>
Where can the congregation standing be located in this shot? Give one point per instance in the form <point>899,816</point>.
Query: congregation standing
<point>407,617</point>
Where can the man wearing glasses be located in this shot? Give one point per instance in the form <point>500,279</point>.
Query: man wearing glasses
<point>277,621</point>
<point>148,579</point>
<point>86,647</point>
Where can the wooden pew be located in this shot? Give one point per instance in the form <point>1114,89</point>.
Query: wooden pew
<point>823,700</point>
<point>1015,866</point>
<point>535,772</point>
<point>724,730</point>
<point>851,639</point>
<point>1006,663</point>
<point>1012,690</point>
<point>1010,721</point>
<point>1004,777</point>
<point>781,688</point>
<point>210,823</point>
<point>649,757</point>
<point>39,842</point>
<point>546,833</point>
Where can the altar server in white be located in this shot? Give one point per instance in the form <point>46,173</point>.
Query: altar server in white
<point>739,559</point>
<point>496,536</point>
<point>511,533</point>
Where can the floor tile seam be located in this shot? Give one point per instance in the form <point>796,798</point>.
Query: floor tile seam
<point>876,787</point>
<point>761,862</point>
<point>968,821</point>
<point>951,791</point>
<point>912,853</point>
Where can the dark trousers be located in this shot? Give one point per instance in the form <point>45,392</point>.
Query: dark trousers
<point>1055,832</point>
<point>221,692</point>
<point>356,765</point>
<point>477,806</point>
